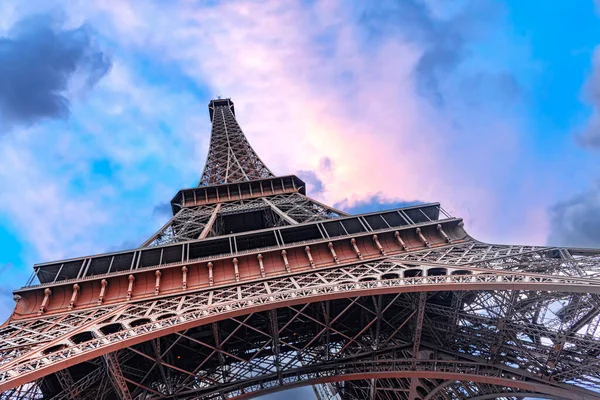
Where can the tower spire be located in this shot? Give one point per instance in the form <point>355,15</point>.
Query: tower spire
<point>230,157</point>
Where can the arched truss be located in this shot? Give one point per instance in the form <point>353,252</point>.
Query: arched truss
<point>415,322</point>
<point>387,383</point>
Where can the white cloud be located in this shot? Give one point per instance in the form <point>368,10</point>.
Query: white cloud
<point>308,83</point>
<point>310,77</point>
<point>42,205</point>
<point>60,206</point>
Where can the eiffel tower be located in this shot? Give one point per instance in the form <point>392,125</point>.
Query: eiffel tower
<point>253,287</point>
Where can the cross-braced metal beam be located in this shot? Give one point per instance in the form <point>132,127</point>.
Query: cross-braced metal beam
<point>116,376</point>
<point>230,156</point>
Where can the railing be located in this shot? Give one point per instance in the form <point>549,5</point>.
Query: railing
<point>400,222</point>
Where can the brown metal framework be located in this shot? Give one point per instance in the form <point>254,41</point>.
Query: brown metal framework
<point>252,287</point>
<point>230,156</point>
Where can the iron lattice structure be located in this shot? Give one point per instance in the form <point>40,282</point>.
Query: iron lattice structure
<point>253,287</point>
<point>230,156</point>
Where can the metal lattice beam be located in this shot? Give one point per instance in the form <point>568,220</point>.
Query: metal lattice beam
<point>115,374</point>
<point>230,156</point>
<point>470,334</point>
<point>409,307</point>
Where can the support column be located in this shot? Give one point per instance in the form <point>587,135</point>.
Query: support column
<point>79,390</point>
<point>333,254</point>
<point>210,274</point>
<point>355,247</point>
<point>67,383</point>
<point>259,257</point>
<point>131,279</point>
<point>274,325</point>
<point>441,230</point>
<point>157,274</point>
<point>184,271</point>
<point>210,223</point>
<point>45,302</point>
<point>116,376</point>
<point>236,270</point>
<point>309,255</point>
<point>285,260</point>
<point>73,297</point>
<point>278,211</point>
<point>414,382</point>
<point>379,246</point>
<point>420,234</point>
<point>400,241</point>
<point>222,364</point>
<point>104,283</point>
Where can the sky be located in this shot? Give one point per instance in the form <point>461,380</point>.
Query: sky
<point>490,108</point>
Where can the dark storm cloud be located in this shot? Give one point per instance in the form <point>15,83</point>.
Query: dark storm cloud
<point>445,42</point>
<point>590,136</point>
<point>325,164</point>
<point>162,210</point>
<point>576,222</point>
<point>38,59</point>
<point>310,178</point>
<point>373,204</point>
<point>125,245</point>
<point>8,272</point>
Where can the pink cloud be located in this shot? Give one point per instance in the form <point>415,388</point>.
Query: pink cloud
<point>308,86</point>
<point>300,98</point>
<point>42,207</point>
<point>297,105</point>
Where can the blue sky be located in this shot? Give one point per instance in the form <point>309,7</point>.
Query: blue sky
<point>491,108</point>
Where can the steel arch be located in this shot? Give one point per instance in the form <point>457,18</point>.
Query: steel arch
<point>39,366</point>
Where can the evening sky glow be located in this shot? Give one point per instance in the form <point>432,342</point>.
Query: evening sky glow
<point>491,108</point>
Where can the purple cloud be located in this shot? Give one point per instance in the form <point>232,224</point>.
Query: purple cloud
<point>39,60</point>
<point>576,222</point>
